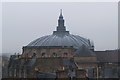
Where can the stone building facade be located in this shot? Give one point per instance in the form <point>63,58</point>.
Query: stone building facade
<point>61,55</point>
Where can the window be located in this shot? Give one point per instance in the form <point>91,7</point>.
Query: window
<point>34,54</point>
<point>43,54</point>
<point>54,54</point>
<point>65,54</point>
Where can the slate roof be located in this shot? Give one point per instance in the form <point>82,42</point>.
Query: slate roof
<point>107,56</point>
<point>83,51</point>
<point>64,40</point>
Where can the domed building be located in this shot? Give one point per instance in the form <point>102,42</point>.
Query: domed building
<point>59,38</point>
<point>60,55</point>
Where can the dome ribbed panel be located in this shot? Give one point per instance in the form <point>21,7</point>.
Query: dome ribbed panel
<point>61,40</point>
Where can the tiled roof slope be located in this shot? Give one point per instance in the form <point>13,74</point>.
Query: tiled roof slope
<point>107,56</point>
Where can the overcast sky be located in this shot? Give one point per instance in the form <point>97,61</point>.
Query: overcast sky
<point>25,22</point>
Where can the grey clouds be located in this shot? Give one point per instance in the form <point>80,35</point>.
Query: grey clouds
<point>24,22</point>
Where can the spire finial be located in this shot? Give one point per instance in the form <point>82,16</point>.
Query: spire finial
<point>61,28</point>
<point>61,13</point>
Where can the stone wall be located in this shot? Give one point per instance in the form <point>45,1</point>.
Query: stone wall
<point>48,51</point>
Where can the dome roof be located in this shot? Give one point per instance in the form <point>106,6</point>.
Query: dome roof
<point>61,37</point>
<point>83,51</point>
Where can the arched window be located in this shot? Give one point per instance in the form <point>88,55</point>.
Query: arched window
<point>54,54</point>
<point>43,54</point>
<point>34,54</point>
<point>65,54</point>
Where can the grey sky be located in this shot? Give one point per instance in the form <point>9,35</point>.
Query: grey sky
<point>24,22</point>
<point>59,0</point>
<point>119,25</point>
<point>0,28</point>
